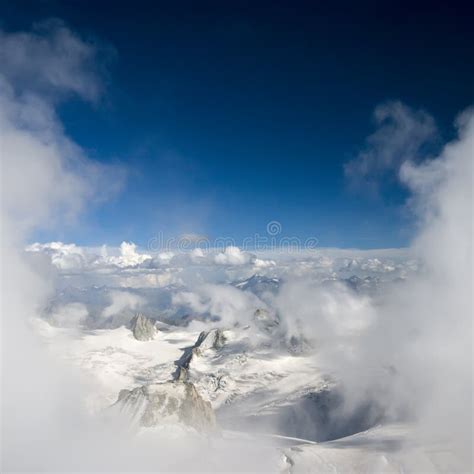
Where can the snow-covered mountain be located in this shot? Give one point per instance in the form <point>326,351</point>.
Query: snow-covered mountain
<point>245,358</point>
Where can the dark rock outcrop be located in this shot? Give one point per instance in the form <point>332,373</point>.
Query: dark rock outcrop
<point>259,285</point>
<point>167,403</point>
<point>266,321</point>
<point>298,345</point>
<point>213,339</point>
<point>143,328</point>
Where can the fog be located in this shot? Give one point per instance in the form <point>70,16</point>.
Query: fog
<point>420,330</point>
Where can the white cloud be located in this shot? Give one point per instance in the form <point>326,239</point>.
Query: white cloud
<point>45,179</point>
<point>422,328</point>
<point>127,267</point>
<point>232,256</point>
<point>331,315</point>
<point>70,315</point>
<point>401,135</point>
<point>51,60</point>
<point>224,301</point>
<point>121,300</point>
<point>197,252</point>
<point>165,257</point>
<point>63,256</point>
<point>129,256</point>
<point>259,263</point>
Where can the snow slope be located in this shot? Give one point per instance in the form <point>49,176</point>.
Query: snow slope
<point>384,449</point>
<point>247,381</point>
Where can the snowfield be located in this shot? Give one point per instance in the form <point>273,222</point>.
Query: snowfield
<point>226,347</point>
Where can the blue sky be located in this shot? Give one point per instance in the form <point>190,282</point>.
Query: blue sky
<point>229,115</point>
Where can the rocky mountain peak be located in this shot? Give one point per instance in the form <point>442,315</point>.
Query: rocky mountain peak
<point>167,403</point>
<point>213,339</point>
<point>143,328</point>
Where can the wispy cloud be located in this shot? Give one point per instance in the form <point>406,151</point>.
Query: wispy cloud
<point>45,175</point>
<point>402,135</point>
<point>54,61</point>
